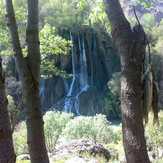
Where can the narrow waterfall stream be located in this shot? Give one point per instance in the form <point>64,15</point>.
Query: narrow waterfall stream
<point>74,74</point>
<point>69,102</point>
<point>83,65</point>
<point>80,81</point>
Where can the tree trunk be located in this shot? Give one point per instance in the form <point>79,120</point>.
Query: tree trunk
<point>35,129</point>
<point>29,72</point>
<point>160,84</point>
<point>7,154</point>
<point>131,45</point>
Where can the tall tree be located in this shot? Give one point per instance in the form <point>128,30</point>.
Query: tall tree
<point>29,72</point>
<point>7,154</point>
<point>131,44</point>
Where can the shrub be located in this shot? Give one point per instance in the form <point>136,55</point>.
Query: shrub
<point>14,112</point>
<point>95,128</point>
<point>154,134</point>
<point>63,125</point>
<point>20,139</point>
<point>55,122</point>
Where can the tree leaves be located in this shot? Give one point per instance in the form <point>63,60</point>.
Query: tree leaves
<point>52,46</point>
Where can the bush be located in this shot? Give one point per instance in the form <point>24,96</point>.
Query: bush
<point>20,139</point>
<point>154,134</point>
<point>63,125</point>
<point>14,112</point>
<point>95,128</point>
<point>55,122</point>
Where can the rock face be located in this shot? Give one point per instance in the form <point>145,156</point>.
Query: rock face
<point>93,61</point>
<point>51,91</point>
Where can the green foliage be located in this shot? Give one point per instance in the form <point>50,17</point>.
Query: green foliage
<point>55,122</point>
<point>51,43</point>
<point>156,33</point>
<point>23,161</point>
<point>52,46</point>
<point>4,37</point>
<point>154,134</point>
<point>98,17</point>
<point>96,128</point>
<point>20,139</point>
<point>70,14</point>
<point>148,21</point>
<point>14,113</point>
<point>67,13</point>
<point>21,14</point>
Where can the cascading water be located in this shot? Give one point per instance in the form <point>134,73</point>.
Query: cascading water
<point>69,101</point>
<point>83,65</point>
<point>80,81</point>
<point>74,79</point>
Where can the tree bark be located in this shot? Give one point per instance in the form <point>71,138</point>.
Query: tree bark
<point>131,45</point>
<point>7,154</point>
<point>29,73</point>
<point>160,83</point>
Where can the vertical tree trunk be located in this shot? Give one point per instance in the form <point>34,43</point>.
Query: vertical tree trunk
<point>161,84</point>
<point>36,139</point>
<point>131,45</point>
<point>7,154</point>
<point>29,72</point>
<point>35,129</point>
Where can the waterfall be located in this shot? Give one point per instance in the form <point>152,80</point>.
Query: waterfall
<point>73,68</point>
<point>69,101</point>
<point>42,88</point>
<point>79,82</point>
<point>83,65</point>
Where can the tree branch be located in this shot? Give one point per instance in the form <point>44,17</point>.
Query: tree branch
<point>11,22</point>
<point>120,25</point>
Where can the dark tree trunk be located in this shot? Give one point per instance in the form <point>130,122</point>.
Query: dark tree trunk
<point>7,154</point>
<point>29,72</point>
<point>161,84</point>
<point>131,45</point>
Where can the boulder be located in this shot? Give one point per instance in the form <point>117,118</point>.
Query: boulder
<point>78,148</point>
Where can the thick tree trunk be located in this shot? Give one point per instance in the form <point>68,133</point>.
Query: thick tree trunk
<point>131,103</point>
<point>35,129</point>
<point>29,72</point>
<point>131,45</point>
<point>7,154</point>
<point>36,139</point>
